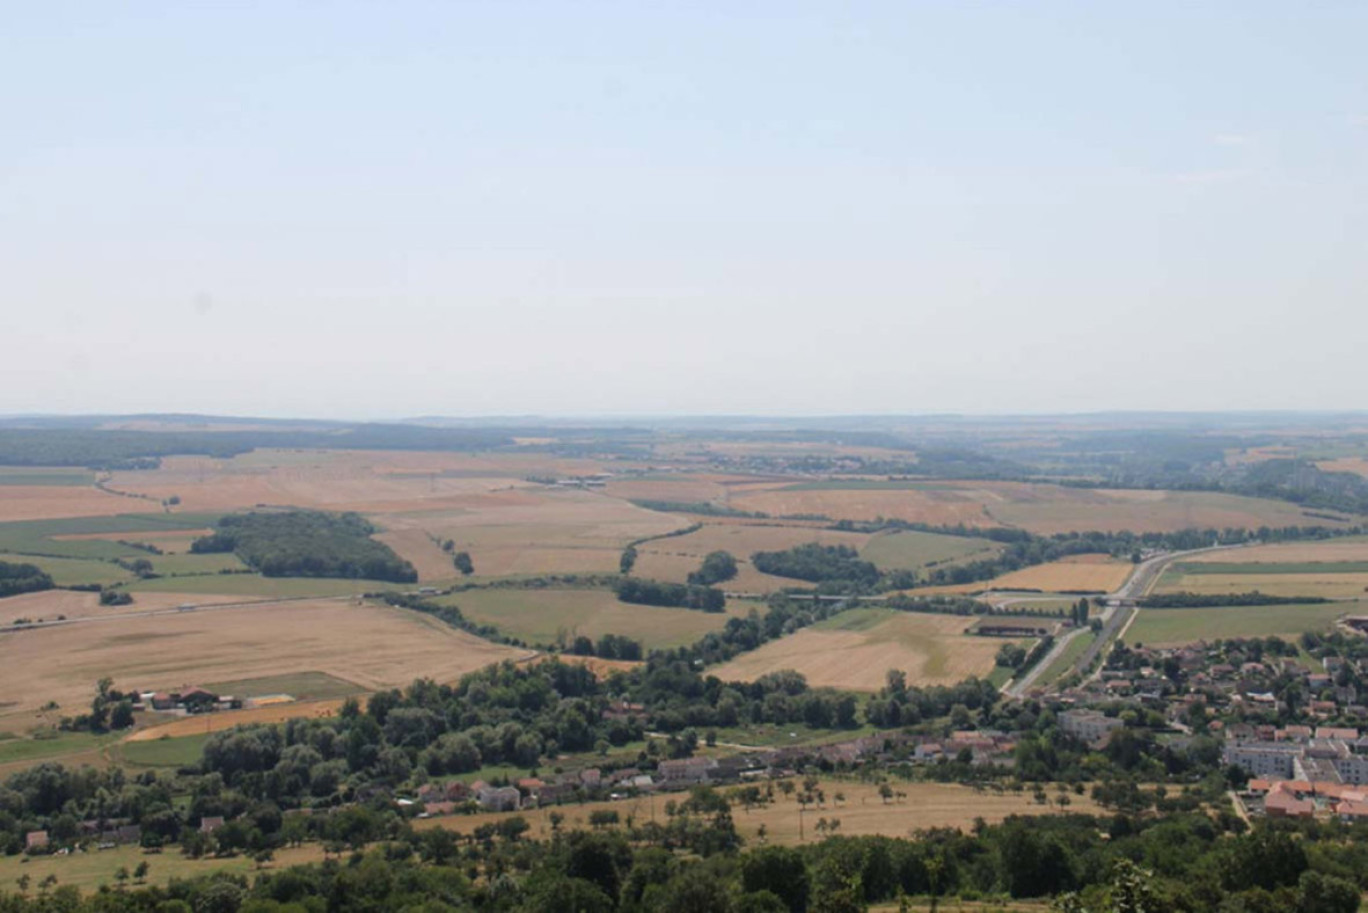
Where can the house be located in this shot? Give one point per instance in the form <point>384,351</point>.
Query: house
<point>1282,802</point>
<point>498,798</point>
<point>36,840</point>
<point>198,699</point>
<point>1088,725</point>
<point>209,824</point>
<point>686,770</point>
<point>163,701</point>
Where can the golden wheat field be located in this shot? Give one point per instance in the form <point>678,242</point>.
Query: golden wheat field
<point>373,646</point>
<point>1091,573</point>
<point>855,650</point>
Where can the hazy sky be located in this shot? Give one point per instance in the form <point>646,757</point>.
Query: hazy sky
<point>389,209</point>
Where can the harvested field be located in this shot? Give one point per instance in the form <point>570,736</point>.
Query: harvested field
<point>43,502</point>
<point>854,651</point>
<point>1351,548</point>
<point>376,647</point>
<point>1091,573</point>
<point>426,556</point>
<point>911,550</point>
<point>1325,584</point>
<point>551,617</point>
<point>680,488</point>
<point>1040,508</point>
<point>924,805</point>
<point>72,604</point>
<point>1356,465</point>
<point>1165,627</point>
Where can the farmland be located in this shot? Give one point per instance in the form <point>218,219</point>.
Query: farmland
<point>856,648</point>
<point>1078,573</point>
<point>1158,627</point>
<point>911,550</point>
<point>862,811</point>
<point>373,646</point>
<point>1040,508</point>
<point>550,616</point>
<point>1336,568</point>
<point>675,557</point>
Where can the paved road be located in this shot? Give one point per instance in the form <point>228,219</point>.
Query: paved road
<point>1114,619</point>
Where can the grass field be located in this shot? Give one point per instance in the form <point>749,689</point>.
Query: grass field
<point>175,565</point>
<point>912,550</point>
<point>1233,579</point>
<point>88,871</point>
<point>50,477</point>
<point>855,649</point>
<point>182,751</point>
<point>555,616</point>
<point>75,571</point>
<point>1179,626</point>
<point>1065,661</point>
<point>674,558</point>
<point>76,537</point>
<point>374,646</point>
<point>21,747</point>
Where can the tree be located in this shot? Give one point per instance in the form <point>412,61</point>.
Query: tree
<point>121,876</point>
<point>779,870</point>
<point>121,717</point>
<point>463,563</point>
<point>140,873</point>
<point>628,560</point>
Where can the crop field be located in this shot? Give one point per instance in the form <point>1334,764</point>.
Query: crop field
<point>1159,627</point>
<point>554,616</point>
<point>1357,465</point>
<point>48,605</point>
<point>1088,573</point>
<point>1328,578</point>
<point>1040,508</point>
<point>182,751</point>
<point>253,585</point>
<point>94,537</point>
<point>675,557</point>
<point>861,812</point>
<point>205,723</point>
<point>855,649</point>
<point>49,477</point>
<point>374,646</point>
<point>911,550</point>
<point>41,502</point>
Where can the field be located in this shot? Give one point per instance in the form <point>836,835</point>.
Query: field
<point>304,686</point>
<point>674,558</point>
<point>204,723</point>
<point>95,537</point>
<point>376,647</point>
<point>926,805</point>
<point>1040,508</point>
<point>855,649</point>
<point>251,585</point>
<point>50,477</point>
<point>554,616</point>
<point>1335,568</point>
<point>183,751</point>
<point>1158,627</point>
<point>910,550</point>
<point>88,871</point>
<point>1090,573</point>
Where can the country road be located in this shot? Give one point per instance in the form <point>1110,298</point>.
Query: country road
<point>184,609</point>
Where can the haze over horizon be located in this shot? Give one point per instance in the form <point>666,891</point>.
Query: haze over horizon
<point>787,209</point>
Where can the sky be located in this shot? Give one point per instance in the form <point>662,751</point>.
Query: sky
<point>378,210</point>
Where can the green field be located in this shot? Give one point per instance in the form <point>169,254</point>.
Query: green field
<point>63,477</point>
<point>912,550</point>
<point>25,748</point>
<point>75,571</point>
<point>1269,567</point>
<point>172,565</point>
<point>302,686</point>
<point>35,537</point>
<point>256,585</point>
<point>183,751</point>
<point>551,616</point>
<point>1065,661</point>
<point>1176,626</point>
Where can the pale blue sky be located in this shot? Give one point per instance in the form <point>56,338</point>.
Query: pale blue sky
<point>388,209</point>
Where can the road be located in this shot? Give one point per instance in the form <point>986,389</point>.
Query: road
<point>1115,618</point>
<point>184,608</point>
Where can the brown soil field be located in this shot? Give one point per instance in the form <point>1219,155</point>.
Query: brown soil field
<point>376,647</point>
<point>683,488</point>
<point>50,502</point>
<point>1039,508</point>
<point>931,649</point>
<point>217,722</point>
<point>425,555</point>
<point>862,813</point>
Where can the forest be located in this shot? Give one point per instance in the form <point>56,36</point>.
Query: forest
<point>672,595</point>
<point>306,543</point>
<point>22,578</point>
